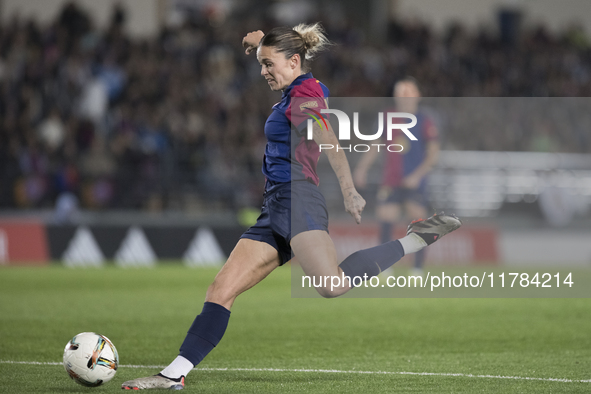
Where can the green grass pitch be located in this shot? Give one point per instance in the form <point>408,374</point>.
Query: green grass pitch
<point>146,313</point>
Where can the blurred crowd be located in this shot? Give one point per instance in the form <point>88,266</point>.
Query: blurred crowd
<point>176,121</point>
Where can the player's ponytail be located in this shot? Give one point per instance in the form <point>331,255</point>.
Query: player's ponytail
<point>304,40</point>
<point>314,38</point>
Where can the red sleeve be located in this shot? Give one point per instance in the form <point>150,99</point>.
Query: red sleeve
<point>307,100</point>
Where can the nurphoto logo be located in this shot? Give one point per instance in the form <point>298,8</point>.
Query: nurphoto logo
<point>344,133</point>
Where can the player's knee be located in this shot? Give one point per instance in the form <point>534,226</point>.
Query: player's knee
<point>388,213</point>
<point>416,210</point>
<point>327,292</point>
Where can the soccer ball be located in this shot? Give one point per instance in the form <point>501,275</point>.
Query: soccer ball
<point>91,359</point>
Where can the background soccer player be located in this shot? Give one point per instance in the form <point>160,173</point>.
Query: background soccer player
<point>403,182</point>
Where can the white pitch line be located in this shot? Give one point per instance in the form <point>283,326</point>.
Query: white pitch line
<point>462,375</point>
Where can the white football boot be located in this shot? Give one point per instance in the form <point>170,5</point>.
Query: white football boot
<point>156,382</point>
<point>435,227</point>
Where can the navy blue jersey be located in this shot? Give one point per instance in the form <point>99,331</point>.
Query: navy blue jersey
<point>283,160</point>
<point>401,164</point>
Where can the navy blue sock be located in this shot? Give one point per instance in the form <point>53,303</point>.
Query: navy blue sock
<point>385,232</point>
<point>420,258</point>
<point>205,333</point>
<point>372,261</point>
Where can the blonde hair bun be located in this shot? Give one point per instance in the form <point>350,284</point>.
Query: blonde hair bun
<point>314,38</point>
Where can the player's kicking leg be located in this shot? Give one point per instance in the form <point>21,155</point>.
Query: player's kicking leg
<point>435,227</point>
<point>250,262</point>
<point>315,252</point>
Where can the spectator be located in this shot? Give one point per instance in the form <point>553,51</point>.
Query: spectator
<point>52,131</point>
<point>171,110</point>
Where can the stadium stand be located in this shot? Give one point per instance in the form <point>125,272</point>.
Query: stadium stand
<point>163,123</point>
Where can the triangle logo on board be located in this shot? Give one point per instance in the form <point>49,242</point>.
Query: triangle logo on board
<point>83,250</point>
<point>204,250</point>
<point>135,250</point>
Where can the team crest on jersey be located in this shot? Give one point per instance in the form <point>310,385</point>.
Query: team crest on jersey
<point>309,104</point>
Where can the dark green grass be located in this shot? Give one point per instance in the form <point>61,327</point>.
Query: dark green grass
<point>147,312</point>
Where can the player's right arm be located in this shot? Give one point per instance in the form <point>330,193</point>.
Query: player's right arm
<point>430,134</point>
<point>413,180</point>
<point>251,41</point>
<point>363,166</point>
<point>353,201</point>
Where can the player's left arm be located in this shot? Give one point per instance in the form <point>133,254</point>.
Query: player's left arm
<point>354,203</point>
<point>250,42</point>
<point>432,147</point>
<point>413,180</point>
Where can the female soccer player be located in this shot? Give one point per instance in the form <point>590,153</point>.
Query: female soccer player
<point>294,217</point>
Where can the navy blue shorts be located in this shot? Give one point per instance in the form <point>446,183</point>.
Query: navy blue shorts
<point>389,195</point>
<point>288,209</point>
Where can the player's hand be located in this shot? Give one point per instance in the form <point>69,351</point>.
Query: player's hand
<point>360,178</point>
<point>354,203</point>
<point>411,182</point>
<point>251,41</point>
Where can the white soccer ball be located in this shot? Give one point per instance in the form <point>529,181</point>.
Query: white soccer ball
<point>91,359</point>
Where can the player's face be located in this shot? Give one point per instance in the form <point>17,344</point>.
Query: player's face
<point>276,69</point>
<point>407,96</point>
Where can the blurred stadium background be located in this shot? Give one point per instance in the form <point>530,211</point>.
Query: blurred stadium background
<point>128,129</point>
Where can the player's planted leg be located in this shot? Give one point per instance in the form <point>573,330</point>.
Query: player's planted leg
<point>156,382</point>
<point>250,262</point>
